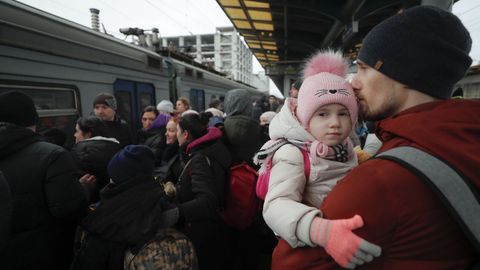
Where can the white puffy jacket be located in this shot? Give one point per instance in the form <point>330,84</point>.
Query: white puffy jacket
<point>292,202</point>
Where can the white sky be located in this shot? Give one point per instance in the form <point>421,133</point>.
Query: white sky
<point>183,17</point>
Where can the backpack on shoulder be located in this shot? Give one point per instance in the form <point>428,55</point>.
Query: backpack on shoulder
<point>447,184</point>
<point>241,204</point>
<point>264,172</point>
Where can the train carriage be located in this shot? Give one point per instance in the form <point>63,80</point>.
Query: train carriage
<point>63,66</point>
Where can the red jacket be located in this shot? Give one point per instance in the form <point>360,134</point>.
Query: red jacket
<point>401,213</point>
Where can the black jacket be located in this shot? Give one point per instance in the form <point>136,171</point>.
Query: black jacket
<point>127,217</point>
<point>201,195</point>
<point>171,165</point>
<point>92,156</point>
<point>155,139</point>
<point>120,130</point>
<point>243,137</point>
<point>47,200</point>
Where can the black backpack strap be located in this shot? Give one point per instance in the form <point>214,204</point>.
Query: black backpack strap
<point>456,192</point>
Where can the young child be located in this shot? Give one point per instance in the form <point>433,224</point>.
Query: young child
<point>318,123</point>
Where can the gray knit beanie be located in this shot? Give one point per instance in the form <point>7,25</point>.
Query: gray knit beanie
<point>106,99</point>
<point>425,48</point>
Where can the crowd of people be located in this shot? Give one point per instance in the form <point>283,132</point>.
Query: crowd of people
<point>154,199</point>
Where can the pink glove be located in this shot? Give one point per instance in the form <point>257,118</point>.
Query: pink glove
<point>346,248</point>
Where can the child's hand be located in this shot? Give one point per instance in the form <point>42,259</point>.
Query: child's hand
<point>345,247</point>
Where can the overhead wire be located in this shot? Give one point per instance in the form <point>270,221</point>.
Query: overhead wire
<point>177,22</point>
<point>206,17</point>
<point>123,15</point>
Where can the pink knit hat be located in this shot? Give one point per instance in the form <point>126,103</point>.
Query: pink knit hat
<point>324,83</point>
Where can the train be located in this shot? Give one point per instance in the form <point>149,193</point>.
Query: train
<point>63,65</point>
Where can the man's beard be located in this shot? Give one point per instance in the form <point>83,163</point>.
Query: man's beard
<point>386,110</point>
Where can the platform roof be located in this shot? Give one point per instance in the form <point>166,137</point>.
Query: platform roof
<point>282,33</point>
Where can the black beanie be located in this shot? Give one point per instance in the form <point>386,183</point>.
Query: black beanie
<point>425,48</point>
<point>131,161</point>
<point>17,108</point>
<point>106,99</point>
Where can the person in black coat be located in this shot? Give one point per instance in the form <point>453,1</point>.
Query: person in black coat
<point>48,200</point>
<point>93,150</point>
<point>200,191</point>
<point>105,108</point>
<point>129,213</point>
<point>153,132</point>
<point>244,136</point>
<point>171,164</point>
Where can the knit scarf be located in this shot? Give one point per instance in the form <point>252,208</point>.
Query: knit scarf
<point>317,150</point>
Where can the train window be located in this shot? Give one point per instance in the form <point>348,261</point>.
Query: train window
<point>189,72</point>
<point>197,99</point>
<point>58,129</point>
<point>199,74</point>
<point>57,107</point>
<point>46,99</point>
<point>145,100</point>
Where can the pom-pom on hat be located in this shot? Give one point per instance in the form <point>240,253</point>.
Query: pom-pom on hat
<point>131,161</point>
<point>425,48</point>
<point>17,108</point>
<point>324,83</point>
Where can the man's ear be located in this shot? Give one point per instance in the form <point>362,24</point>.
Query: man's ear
<point>186,135</point>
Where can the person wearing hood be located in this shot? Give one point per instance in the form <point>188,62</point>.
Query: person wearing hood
<point>152,133</point>
<point>93,150</point>
<point>243,137</point>
<point>200,191</point>
<point>128,215</point>
<point>47,198</point>
<point>408,66</point>
<point>242,132</point>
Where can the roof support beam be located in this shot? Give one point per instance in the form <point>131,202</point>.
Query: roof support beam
<point>350,9</point>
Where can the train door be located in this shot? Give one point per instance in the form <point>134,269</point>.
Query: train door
<point>132,97</point>
<point>197,99</point>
